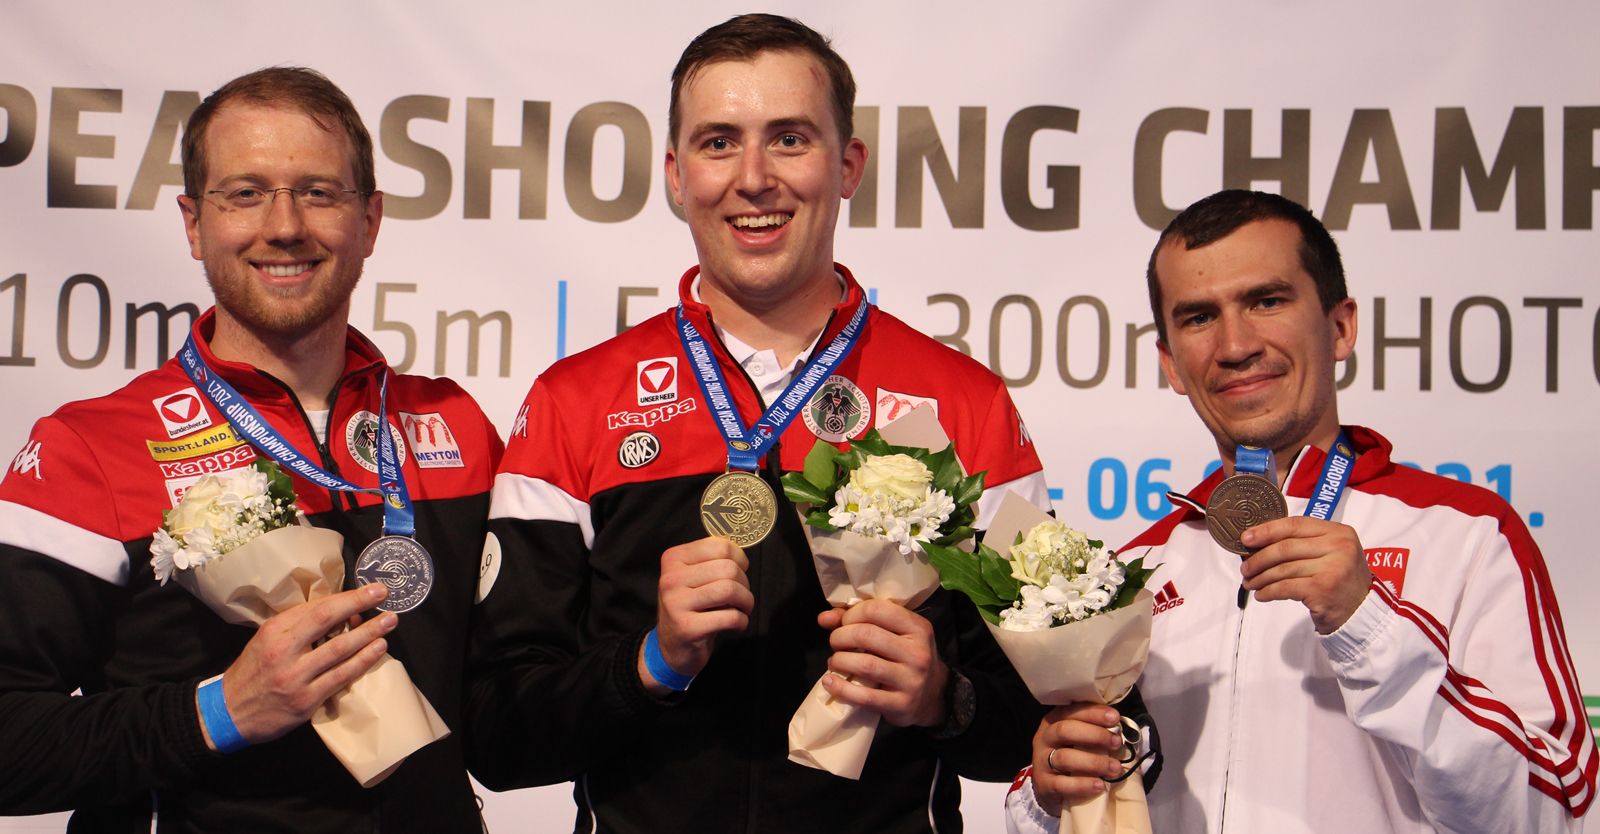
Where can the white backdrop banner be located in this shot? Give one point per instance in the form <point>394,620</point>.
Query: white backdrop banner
<point>1023,157</point>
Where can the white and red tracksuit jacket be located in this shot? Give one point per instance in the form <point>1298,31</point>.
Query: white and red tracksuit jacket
<point>1446,703</point>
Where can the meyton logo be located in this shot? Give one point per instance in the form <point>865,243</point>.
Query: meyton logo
<point>27,460</point>
<point>431,442</point>
<point>657,380</point>
<point>892,405</point>
<point>638,449</point>
<point>646,419</point>
<point>1388,565</point>
<point>182,412</point>
<point>1167,598</point>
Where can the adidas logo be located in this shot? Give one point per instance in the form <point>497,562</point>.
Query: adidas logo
<point>1166,598</point>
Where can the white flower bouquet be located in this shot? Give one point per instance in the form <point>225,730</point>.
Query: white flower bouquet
<point>1074,621</point>
<point>235,545</point>
<point>869,513</point>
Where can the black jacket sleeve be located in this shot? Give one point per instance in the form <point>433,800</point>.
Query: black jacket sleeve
<point>60,751</point>
<point>542,706</point>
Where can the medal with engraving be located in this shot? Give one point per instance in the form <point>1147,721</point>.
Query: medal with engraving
<point>738,505</point>
<point>1248,498</point>
<point>403,566</point>
<point>399,518</point>
<point>1239,503</point>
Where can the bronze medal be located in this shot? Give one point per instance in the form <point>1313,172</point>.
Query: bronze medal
<point>738,506</point>
<point>1239,503</point>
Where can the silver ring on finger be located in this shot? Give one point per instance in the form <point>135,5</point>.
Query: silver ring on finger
<point>1051,761</point>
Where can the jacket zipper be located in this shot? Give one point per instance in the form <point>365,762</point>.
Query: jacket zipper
<point>1233,713</point>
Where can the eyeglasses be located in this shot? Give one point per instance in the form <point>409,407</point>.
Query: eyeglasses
<point>252,201</point>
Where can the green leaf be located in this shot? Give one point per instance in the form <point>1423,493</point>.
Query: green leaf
<point>800,489</point>
<point>849,461</point>
<point>959,571</point>
<point>991,613</point>
<point>820,469</point>
<point>1137,577</point>
<point>970,490</point>
<point>996,571</point>
<point>820,520</point>
<point>947,475</point>
<point>871,443</point>
<point>955,536</point>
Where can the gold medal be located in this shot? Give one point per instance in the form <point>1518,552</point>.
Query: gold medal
<point>738,506</point>
<point>1239,503</point>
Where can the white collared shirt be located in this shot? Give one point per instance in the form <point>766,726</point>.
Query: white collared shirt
<point>762,365</point>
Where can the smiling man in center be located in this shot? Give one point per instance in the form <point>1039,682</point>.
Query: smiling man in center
<point>619,646</point>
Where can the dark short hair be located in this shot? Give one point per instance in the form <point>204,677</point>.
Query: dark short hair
<point>745,37</point>
<point>297,88</point>
<point>1215,217</point>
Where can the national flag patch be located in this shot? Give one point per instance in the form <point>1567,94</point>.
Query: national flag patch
<point>1388,565</point>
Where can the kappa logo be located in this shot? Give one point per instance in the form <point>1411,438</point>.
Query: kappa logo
<point>892,405</point>
<point>1167,598</point>
<point>431,442</point>
<point>838,411</point>
<point>361,440</point>
<point>648,419</point>
<point>638,449</point>
<point>657,380</point>
<point>1388,565</point>
<point>520,427</point>
<point>226,460</point>
<point>28,459</point>
<point>182,413</point>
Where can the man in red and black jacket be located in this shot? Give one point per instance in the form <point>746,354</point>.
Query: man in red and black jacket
<point>596,544</point>
<point>282,208</point>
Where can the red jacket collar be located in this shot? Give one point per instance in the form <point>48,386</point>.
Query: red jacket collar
<point>700,314</point>
<point>361,356</point>
<point>1372,450</point>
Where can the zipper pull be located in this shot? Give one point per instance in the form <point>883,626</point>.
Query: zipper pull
<point>1244,597</point>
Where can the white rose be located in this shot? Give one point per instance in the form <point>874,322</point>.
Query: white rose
<point>1027,557</point>
<point>198,507</point>
<point>900,475</point>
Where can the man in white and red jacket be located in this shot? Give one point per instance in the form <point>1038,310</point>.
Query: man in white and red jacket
<point>1421,683</point>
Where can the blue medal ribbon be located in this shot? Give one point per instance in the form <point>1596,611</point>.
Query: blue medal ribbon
<point>1256,462</point>
<point>1335,474</point>
<point>746,446</point>
<point>399,518</point>
<point>1330,484</point>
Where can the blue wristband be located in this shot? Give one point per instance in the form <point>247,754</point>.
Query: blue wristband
<point>214,714</point>
<point>664,674</point>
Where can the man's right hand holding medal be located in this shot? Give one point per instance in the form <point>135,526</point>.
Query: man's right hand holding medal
<point>1319,563</point>
<point>703,592</point>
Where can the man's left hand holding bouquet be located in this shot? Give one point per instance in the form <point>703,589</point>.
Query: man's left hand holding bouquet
<point>285,673</point>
